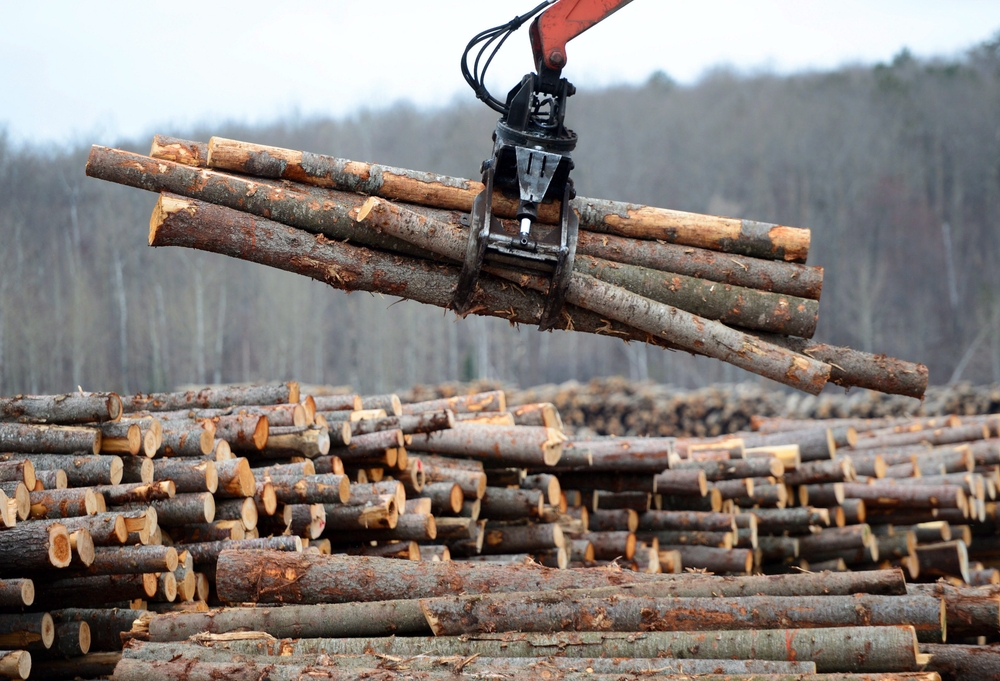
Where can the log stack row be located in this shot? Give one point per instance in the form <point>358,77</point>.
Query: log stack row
<point>734,290</point>
<point>238,495</point>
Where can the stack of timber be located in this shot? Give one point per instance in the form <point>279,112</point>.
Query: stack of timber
<point>382,537</point>
<point>734,290</point>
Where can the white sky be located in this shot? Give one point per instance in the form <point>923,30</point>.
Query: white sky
<point>100,70</point>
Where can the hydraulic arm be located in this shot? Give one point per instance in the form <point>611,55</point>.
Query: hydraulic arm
<point>531,160</point>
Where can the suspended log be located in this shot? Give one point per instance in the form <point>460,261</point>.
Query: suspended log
<point>214,398</point>
<point>746,237</point>
<point>67,409</point>
<point>136,493</point>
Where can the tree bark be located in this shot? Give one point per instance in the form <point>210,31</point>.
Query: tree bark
<point>81,471</point>
<point>136,493</point>
<point>179,150</point>
<point>947,559</point>
<point>207,553</point>
<point>68,409</point>
<point>814,472</point>
<point>677,327</point>
<point>843,649</point>
<point>63,503</point>
<point>337,402</point>
<point>971,611</point>
<point>746,237</point>
<point>89,592</point>
<point>106,529</point>
<point>16,593</point>
<point>214,398</point>
<point>243,432</point>
<point>72,639</point>
<point>189,477</point>
<point>32,631</point>
<point>106,624</point>
<point>122,560</point>
<point>732,469</point>
<point>35,438</point>
<point>315,489</point>
<point>244,510</point>
<point>217,530</point>
<point>737,306</point>
<point>888,495</point>
<point>308,441</point>
<point>182,439</point>
<point>715,560</point>
<point>34,545</point>
<point>516,445</point>
<point>445,497</point>
<point>963,662</point>
<point>427,422</point>
<point>507,503</point>
<point>473,483</point>
<point>236,479</point>
<point>490,400</point>
<point>370,448</point>
<point>553,611</point>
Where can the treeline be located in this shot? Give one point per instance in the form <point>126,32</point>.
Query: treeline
<point>895,168</point>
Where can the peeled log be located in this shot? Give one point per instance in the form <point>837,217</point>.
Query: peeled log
<point>844,649</point>
<point>746,237</point>
<point>555,611</point>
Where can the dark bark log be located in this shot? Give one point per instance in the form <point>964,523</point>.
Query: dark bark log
<point>63,503</point>
<point>89,592</point>
<point>946,559</point>
<point>614,520</point>
<point>31,631</point>
<point>764,496</point>
<point>611,545</point>
<point>105,529</point>
<point>971,611</point>
<point>677,327</point>
<point>214,398</point>
<point>844,649</point>
<point>243,510</point>
<point>682,482</point>
<point>411,526</point>
<point>625,454</point>
<point>401,550</point>
<point>549,485</point>
<point>888,495</point>
<point>724,540</point>
<point>798,519</point>
<point>735,489</point>
<point>636,501</point>
<point>686,520</point>
<point>16,593</point>
<point>936,436</point>
<point>450,530</point>
<point>219,530</point>
<point>521,612</point>
<point>505,503</point>
<point>963,662</point>
<point>68,409</point>
<point>756,239</point>
<point>106,624</point>
<point>778,548</point>
<point>835,539</point>
<point>522,538</point>
<point>714,560</point>
<point>370,448</point>
<point>72,639</point>
<point>854,512</point>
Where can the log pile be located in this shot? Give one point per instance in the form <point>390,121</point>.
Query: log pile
<point>617,406</point>
<point>367,530</point>
<point>734,290</point>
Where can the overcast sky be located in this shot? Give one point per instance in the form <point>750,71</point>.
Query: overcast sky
<point>98,71</point>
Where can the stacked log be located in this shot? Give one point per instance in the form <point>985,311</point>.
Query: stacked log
<point>734,290</point>
<point>661,540</point>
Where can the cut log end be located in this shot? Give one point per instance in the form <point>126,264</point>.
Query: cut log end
<point>60,549</point>
<point>260,433</point>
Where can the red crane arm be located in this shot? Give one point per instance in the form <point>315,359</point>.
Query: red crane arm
<point>562,22</point>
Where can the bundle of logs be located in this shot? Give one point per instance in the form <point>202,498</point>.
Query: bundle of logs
<point>734,290</point>
<point>458,536</point>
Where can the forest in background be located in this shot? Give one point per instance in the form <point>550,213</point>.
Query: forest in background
<point>895,168</point>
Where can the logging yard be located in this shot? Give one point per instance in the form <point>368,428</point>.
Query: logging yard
<point>835,520</point>
<point>610,530</point>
